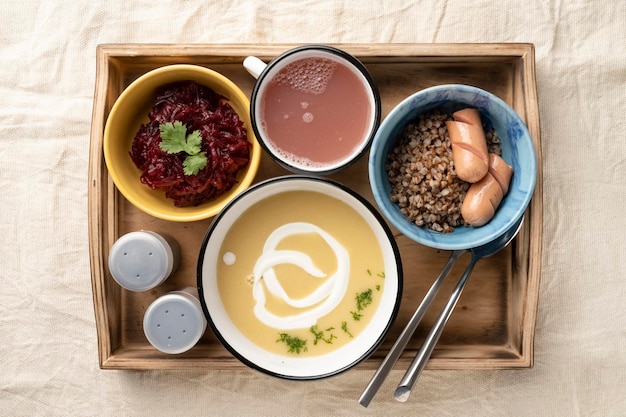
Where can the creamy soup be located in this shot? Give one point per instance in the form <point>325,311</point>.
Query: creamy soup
<point>300,273</point>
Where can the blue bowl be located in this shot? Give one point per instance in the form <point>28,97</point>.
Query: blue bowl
<point>517,150</point>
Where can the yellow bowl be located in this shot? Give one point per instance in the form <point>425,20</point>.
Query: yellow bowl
<point>131,110</point>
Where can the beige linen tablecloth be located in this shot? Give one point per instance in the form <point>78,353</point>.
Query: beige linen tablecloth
<point>48,346</point>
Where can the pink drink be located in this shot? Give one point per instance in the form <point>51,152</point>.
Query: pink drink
<point>316,112</point>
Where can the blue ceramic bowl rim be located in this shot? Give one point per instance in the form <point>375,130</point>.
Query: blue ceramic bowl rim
<point>525,165</point>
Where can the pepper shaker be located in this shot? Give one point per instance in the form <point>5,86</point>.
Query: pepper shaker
<point>141,260</point>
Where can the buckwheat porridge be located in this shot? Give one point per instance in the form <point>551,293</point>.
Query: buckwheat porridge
<point>421,172</point>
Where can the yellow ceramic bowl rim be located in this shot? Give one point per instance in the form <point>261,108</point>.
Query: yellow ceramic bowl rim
<point>123,171</point>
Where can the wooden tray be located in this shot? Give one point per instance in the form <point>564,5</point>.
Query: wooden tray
<point>493,324</point>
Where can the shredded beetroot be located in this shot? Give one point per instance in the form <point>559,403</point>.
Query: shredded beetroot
<point>224,141</point>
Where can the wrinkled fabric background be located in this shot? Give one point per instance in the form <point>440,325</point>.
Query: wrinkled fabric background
<point>48,348</point>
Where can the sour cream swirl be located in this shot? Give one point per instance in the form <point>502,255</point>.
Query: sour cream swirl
<point>328,295</point>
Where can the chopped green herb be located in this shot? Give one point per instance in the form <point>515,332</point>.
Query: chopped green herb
<point>319,335</point>
<point>356,316</point>
<point>381,274</point>
<point>377,287</point>
<point>369,272</point>
<point>363,299</point>
<point>174,139</point>
<point>344,327</point>
<point>294,344</point>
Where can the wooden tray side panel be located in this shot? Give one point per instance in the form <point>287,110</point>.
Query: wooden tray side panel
<point>534,227</point>
<point>100,204</point>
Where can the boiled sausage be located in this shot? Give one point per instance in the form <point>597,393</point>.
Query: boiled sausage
<point>484,197</point>
<point>469,146</point>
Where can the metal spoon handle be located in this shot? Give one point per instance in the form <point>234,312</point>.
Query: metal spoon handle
<point>417,366</point>
<point>397,348</point>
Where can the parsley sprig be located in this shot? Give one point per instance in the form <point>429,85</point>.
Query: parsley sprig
<point>174,139</point>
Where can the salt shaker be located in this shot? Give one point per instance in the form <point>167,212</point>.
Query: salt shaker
<point>175,322</point>
<point>141,260</point>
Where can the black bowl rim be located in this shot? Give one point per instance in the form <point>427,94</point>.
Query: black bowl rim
<point>379,219</point>
<point>335,51</point>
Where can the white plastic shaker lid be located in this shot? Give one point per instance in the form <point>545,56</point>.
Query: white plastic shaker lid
<point>174,322</point>
<point>141,260</point>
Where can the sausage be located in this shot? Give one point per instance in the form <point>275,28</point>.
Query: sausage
<point>469,146</point>
<point>483,197</point>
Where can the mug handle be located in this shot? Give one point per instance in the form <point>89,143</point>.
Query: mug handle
<point>254,66</point>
